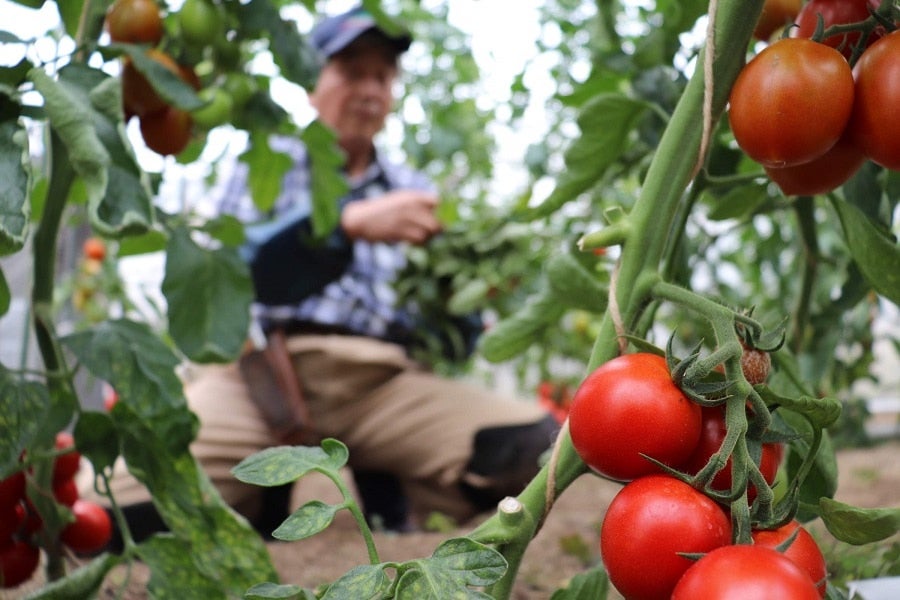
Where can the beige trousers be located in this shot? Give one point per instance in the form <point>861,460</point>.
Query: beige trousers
<point>393,417</point>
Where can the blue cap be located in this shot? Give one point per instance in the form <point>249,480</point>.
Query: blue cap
<point>337,32</point>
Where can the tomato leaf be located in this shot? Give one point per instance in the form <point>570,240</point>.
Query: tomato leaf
<point>858,525</point>
<point>96,439</point>
<point>589,585</point>
<point>284,464</point>
<point>454,566</point>
<point>876,253</point>
<point>513,335</point>
<point>165,556</point>
<point>266,171</point>
<point>575,286</point>
<point>83,582</point>
<point>15,180</point>
<point>23,406</point>
<point>364,582</point>
<point>738,203</point>
<point>5,297</point>
<point>209,293</point>
<point>306,521</point>
<point>328,185</point>
<point>275,591</point>
<point>170,86</point>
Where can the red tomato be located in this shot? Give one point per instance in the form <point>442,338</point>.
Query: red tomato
<point>820,175</point>
<point>91,530</point>
<point>835,12</point>
<point>875,123</point>
<point>67,464</point>
<point>134,21</point>
<point>138,96</point>
<point>791,102</point>
<point>775,15</point>
<point>12,490</point>
<point>648,523</point>
<point>627,407</point>
<point>11,519</point>
<point>94,248</point>
<point>18,561</point>
<point>745,572</point>
<point>110,397</point>
<point>65,491</point>
<point>168,131</point>
<point>711,440</point>
<point>803,551</point>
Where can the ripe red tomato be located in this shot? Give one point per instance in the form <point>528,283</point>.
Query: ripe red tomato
<point>11,519</point>
<point>803,551</point>
<point>791,102</point>
<point>835,12</point>
<point>66,465</point>
<point>627,407</point>
<point>167,131</point>
<point>745,572</point>
<point>875,122</point>
<point>138,96</point>
<point>775,15</point>
<point>94,248</point>
<point>12,490</point>
<point>135,22</point>
<point>648,523</point>
<point>65,491</point>
<point>18,560</point>
<point>820,175</point>
<point>711,440</point>
<point>90,531</point>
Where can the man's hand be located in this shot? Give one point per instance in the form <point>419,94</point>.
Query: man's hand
<point>401,215</point>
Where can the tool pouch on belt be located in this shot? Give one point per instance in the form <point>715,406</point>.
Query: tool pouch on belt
<point>275,389</point>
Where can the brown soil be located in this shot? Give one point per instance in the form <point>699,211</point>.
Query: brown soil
<point>565,546</point>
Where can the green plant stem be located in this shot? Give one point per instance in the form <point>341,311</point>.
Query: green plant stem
<point>806,221</point>
<point>351,505</point>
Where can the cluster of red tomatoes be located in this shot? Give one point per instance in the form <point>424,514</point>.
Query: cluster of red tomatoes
<point>167,129</point>
<point>555,398</point>
<point>630,408</point>
<point>801,111</point>
<point>89,531</point>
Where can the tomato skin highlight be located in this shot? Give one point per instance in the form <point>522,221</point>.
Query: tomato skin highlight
<point>647,524</point>
<point>875,122</point>
<point>745,572</point>
<point>627,407</point>
<point>820,175</point>
<point>803,551</point>
<point>791,102</point>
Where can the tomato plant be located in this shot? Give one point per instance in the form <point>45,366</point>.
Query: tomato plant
<point>630,408</point>
<point>835,12</point>
<point>199,22</point>
<point>18,561</point>
<point>820,175</point>
<point>791,103</point>
<point>649,524</point>
<point>91,530</point>
<point>874,124</point>
<point>775,15</point>
<point>138,95</point>
<point>67,463</point>
<point>167,131</point>
<point>746,572</point>
<point>135,22</point>
<point>803,550</point>
<point>217,111</point>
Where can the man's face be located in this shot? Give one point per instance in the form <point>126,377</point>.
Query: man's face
<point>353,94</point>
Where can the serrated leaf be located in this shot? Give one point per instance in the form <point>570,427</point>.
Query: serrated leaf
<point>15,185</point>
<point>858,525</point>
<point>275,591</point>
<point>306,521</point>
<point>876,254</point>
<point>455,566</point>
<point>208,294</point>
<point>365,582</point>
<point>589,585</point>
<point>285,464</point>
<point>83,582</point>
<point>23,406</point>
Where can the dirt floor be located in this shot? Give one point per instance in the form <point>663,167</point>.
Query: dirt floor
<point>565,546</point>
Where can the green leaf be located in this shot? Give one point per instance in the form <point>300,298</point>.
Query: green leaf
<point>365,582</point>
<point>165,556</point>
<point>738,203</point>
<point>456,565</point>
<point>513,335</point>
<point>589,585</point>
<point>5,296</point>
<point>96,439</point>
<point>170,86</point>
<point>71,12</point>
<point>23,406</point>
<point>858,525</point>
<point>575,286</point>
<point>275,591</point>
<point>285,464</point>
<point>15,182</point>
<point>469,297</point>
<point>328,184</point>
<point>83,582</point>
<point>266,171</point>
<point>606,122</point>
<point>209,293</point>
<point>876,253</point>
<point>306,521</point>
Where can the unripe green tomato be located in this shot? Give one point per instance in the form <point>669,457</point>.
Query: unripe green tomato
<point>200,22</point>
<point>227,54</point>
<point>241,86</point>
<point>217,110</point>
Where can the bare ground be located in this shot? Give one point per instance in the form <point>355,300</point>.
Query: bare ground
<point>565,546</point>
